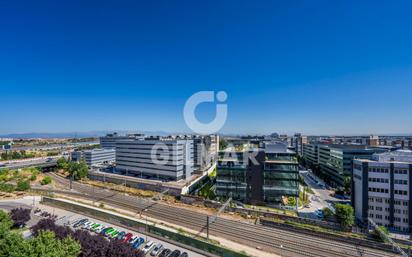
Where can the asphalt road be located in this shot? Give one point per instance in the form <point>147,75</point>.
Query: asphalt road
<point>286,243</point>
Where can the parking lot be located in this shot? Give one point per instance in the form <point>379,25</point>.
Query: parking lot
<point>140,240</point>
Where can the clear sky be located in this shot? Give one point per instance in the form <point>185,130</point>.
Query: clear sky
<point>316,67</point>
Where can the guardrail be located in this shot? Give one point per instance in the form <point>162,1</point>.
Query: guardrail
<point>152,230</point>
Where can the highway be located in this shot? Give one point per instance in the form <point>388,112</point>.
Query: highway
<point>40,161</point>
<point>286,243</point>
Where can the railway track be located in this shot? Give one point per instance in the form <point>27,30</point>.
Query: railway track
<point>269,239</point>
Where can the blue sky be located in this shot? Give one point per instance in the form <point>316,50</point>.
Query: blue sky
<point>316,67</point>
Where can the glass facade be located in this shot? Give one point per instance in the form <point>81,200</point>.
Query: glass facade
<point>280,176</point>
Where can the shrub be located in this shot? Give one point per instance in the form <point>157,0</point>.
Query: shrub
<point>7,187</point>
<point>33,177</point>
<point>23,185</point>
<point>46,180</point>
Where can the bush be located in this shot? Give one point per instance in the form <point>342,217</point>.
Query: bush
<point>7,187</point>
<point>33,177</point>
<point>23,185</point>
<point>20,216</point>
<point>46,180</point>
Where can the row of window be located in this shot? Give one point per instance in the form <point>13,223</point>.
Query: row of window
<point>400,192</point>
<point>379,208</point>
<point>378,190</point>
<point>379,180</point>
<point>379,170</point>
<point>397,171</point>
<point>380,217</point>
<point>401,181</point>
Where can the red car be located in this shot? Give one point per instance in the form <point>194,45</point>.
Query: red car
<point>127,237</point>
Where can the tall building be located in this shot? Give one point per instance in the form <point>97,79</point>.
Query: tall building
<point>156,158</point>
<point>258,175</point>
<point>280,173</point>
<point>94,156</point>
<point>109,141</point>
<point>205,150</point>
<point>382,189</point>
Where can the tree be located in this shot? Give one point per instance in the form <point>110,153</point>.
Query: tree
<point>5,223</point>
<point>78,170</point>
<point>119,249</point>
<point>20,216</point>
<point>23,185</point>
<point>13,245</point>
<point>62,163</point>
<point>222,144</point>
<point>47,245</point>
<point>344,215</point>
<point>347,184</point>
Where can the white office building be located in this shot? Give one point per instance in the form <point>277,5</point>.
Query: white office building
<point>156,158</point>
<point>382,189</point>
<point>95,156</point>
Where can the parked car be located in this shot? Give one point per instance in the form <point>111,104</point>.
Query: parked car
<point>108,232</point>
<point>165,253</point>
<point>121,235</point>
<point>138,242</point>
<point>100,229</point>
<point>175,253</point>
<point>158,248</point>
<point>104,231</point>
<point>80,222</point>
<point>149,246</point>
<point>184,254</point>
<point>96,225</point>
<point>86,224</point>
<point>127,237</point>
<point>133,239</point>
<point>114,233</point>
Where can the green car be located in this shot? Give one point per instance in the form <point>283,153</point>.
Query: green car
<point>114,234</point>
<point>95,226</point>
<point>109,231</point>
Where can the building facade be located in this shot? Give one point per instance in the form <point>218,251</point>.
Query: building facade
<point>381,190</point>
<point>109,141</point>
<point>155,158</point>
<point>258,175</point>
<point>95,156</point>
<point>334,162</point>
<point>205,152</point>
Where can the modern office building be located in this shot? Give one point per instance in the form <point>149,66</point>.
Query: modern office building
<point>109,141</point>
<point>205,151</point>
<point>156,158</point>
<point>280,173</point>
<point>334,161</point>
<point>258,175</point>
<point>231,176</point>
<point>382,190</point>
<point>95,156</point>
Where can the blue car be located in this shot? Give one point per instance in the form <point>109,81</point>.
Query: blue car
<point>138,243</point>
<point>121,235</point>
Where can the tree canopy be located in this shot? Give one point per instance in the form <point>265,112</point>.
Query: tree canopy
<point>345,215</point>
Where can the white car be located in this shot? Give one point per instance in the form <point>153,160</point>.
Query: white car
<point>158,248</point>
<point>148,247</point>
<point>133,239</point>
